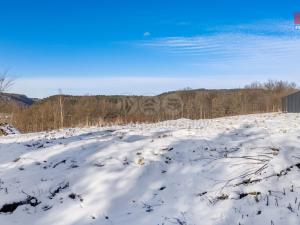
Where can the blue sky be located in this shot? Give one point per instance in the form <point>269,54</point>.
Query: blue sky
<point>146,47</point>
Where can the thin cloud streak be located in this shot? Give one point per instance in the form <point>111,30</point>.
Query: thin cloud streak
<point>258,48</point>
<point>232,44</point>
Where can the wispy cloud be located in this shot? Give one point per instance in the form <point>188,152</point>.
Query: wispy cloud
<point>265,27</point>
<point>147,34</point>
<point>268,46</point>
<point>183,23</point>
<point>229,45</point>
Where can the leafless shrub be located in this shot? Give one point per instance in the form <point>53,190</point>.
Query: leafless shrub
<point>5,82</point>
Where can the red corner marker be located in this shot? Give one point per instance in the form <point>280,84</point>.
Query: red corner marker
<point>297,19</point>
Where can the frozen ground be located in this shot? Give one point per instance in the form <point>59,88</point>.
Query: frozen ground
<point>229,171</point>
<point>6,129</point>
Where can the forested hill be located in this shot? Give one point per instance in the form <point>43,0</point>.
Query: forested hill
<point>10,102</point>
<point>76,111</point>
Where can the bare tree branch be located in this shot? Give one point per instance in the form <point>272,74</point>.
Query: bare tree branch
<point>5,82</point>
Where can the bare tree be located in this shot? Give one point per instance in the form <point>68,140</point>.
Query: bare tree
<point>61,107</point>
<point>5,82</point>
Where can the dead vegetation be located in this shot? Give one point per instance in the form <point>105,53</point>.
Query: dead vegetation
<point>76,111</point>
<point>11,207</point>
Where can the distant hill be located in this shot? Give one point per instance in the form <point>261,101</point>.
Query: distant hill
<point>9,102</point>
<point>17,98</point>
<point>76,111</point>
<point>53,112</point>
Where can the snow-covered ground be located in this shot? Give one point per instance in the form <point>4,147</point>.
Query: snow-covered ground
<point>236,170</point>
<point>6,129</point>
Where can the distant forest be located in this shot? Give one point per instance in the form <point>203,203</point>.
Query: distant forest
<point>62,111</point>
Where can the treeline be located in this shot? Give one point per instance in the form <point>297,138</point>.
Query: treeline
<point>9,104</point>
<point>76,111</point>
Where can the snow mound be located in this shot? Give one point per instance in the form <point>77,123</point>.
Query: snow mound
<point>7,129</point>
<point>229,171</point>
